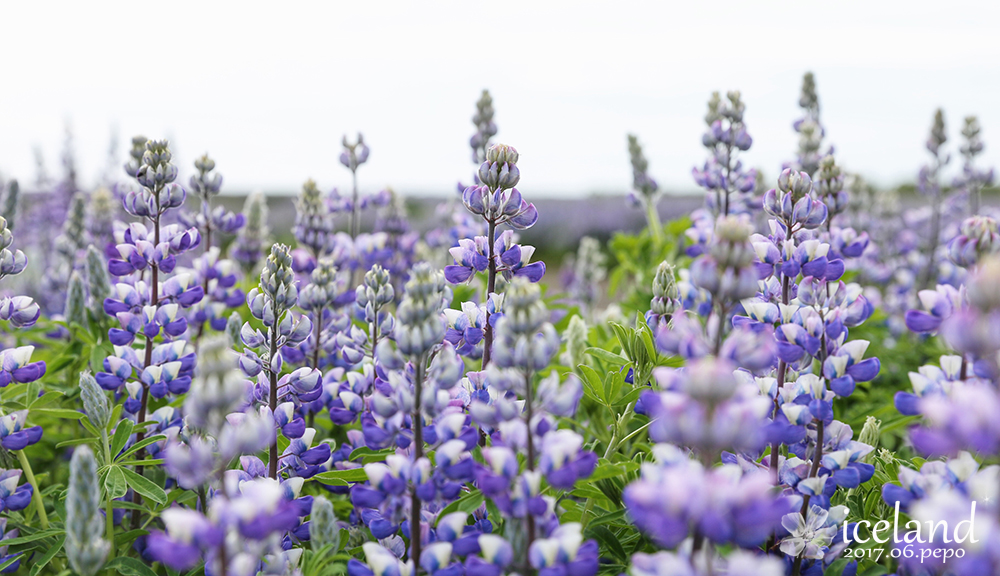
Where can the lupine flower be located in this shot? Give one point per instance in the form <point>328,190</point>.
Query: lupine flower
<point>726,505</point>
<point>978,237</point>
<point>727,183</point>
<point>313,221</point>
<point>812,536</point>
<point>420,324</point>
<point>248,248</point>
<point>12,496</point>
<point>565,551</point>
<point>497,200</point>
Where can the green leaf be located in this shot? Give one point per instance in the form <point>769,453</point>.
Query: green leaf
<point>144,462</point>
<point>608,541</point>
<point>613,383</point>
<point>121,436</point>
<point>352,475</point>
<point>140,445</point>
<point>76,442</point>
<point>115,484</point>
<point>10,561</point>
<point>604,355</point>
<point>144,486</point>
<point>608,518</point>
<point>48,556</point>
<point>58,413</point>
<point>467,503</point>
<point>604,470</point>
<point>44,400</point>
<point>33,537</point>
<point>592,384</point>
<point>368,455</point>
<point>129,567</point>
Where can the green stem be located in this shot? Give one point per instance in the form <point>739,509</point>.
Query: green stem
<point>36,495</point>
<point>109,510</point>
<point>612,447</point>
<point>653,218</point>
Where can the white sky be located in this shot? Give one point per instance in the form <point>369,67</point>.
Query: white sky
<point>269,88</point>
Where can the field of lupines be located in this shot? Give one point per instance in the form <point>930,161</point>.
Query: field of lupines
<point>771,386</point>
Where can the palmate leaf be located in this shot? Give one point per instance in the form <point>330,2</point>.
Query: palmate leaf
<point>114,483</point>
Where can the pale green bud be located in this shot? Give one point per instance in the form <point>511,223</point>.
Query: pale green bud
<point>85,549</point>
<point>869,435</point>
<point>95,401</point>
<point>323,528</point>
<point>76,301</point>
<point>98,283</point>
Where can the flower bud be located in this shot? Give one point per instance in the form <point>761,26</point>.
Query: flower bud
<point>85,549</point>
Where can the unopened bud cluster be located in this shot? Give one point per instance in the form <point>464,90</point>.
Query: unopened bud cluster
<point>156,175</point>
<point>525,338</point>
<point>420,319</point>
<point>313,220</point>
<point>830,181</point>
<point>792,202</point>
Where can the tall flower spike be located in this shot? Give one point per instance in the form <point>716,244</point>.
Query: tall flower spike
<point>85,549</point>
<point>100,216</point>
<point>589,271</point>
<point>353,156</point>
<point>973,179</point>
<point>248,248</point>
<point>313,221</point>
<point>375,293</point>
<point>486,128</point>
<point>928,183</point>
<point>645,191</point>
<point>271,303</point>
<point>498,202</point>
<point>421,327</point>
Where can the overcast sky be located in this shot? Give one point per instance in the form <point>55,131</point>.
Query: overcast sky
<point>268,89</point>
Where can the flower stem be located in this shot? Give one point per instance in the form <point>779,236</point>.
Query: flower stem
<point>355,213</point>
<point>36,494</point>
<point>653,220</point>
<point>154,288</point>
<point>529,463</point>
<point>272,402</point>
<point>109,509</point>
<point>418,453</point>
<point>491,286</point>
